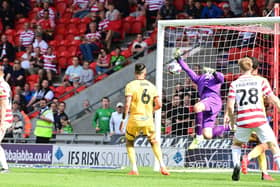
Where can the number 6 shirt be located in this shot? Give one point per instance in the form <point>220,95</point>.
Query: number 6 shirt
<point>143,93</point>
<point>248,92</point>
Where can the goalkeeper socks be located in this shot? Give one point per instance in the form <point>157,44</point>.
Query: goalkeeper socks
<point>3,158</point>
<point>218,130</point>
<point>262,163</point>
<point>198,122</point>
<point>258,150</point>
<point>276,158</point>
<point>236,153</point>
<point>131,155</point>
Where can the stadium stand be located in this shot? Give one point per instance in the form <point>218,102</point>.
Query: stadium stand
<point>69,28</point>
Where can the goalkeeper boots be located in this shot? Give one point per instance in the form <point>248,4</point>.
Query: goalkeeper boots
<point>244,164</point>
<point>133,173</point>
<point>236,173</point>
<point>267,177</point>
<point>164,171</point>
<point>195,143</point>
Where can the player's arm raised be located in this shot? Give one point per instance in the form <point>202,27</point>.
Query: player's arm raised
<point>193,76</point>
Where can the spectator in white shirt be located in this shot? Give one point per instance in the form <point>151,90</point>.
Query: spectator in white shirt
<point>116,119</point>
<point>39,42</point>
<point>73,72</point>
<point>139,46</point>
<point>86,75</point>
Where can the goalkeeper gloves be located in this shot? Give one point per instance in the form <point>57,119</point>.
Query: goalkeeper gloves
<point>177,54</point>
<point>209,70</point>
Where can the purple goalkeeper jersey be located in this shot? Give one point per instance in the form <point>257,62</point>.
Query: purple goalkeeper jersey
<point>208,85</point>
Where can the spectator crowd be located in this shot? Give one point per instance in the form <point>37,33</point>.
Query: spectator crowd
<point>52,49</point>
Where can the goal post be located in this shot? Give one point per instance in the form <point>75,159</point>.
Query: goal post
<point>215,43</point>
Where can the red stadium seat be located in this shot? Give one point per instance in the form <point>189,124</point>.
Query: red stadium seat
<point>82,27</point>
<point>81,88</point>
<point>245,52</point>
<point>126,53</point>
<point>60,7</point>
<point>70,36</point>
<point>245,6</point>
<point>75,42</point>
<point>75,31</point>
<point>67,14</point>
<point>85,20</point>
<point>127,22</point>
<point>234,54</point>
<point>100,77</point>
<point>75,20</point>
<point>149,41</point>
<point>143,20</point>
<point>34,78</point>
<point>62,62</point>
<point>53,43</point>
<point>179,4</point>
<point>59,37</point>
<point>10,32</point>
<point>229,77</point>
<point>136,27</point>
<point>93,67</point>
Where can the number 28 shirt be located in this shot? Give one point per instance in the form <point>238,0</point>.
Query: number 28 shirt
<point>248,92</point>
<point>143,93</point>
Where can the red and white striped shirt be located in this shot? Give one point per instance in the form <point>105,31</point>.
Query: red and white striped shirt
<point>248,92</point>
<point>94,8</point>
<point>49,62</point>
<point>81,3</point>
<point>26,37</point>
<point>51,13</point>
<point>5,95</point>
<point>103,25</point>
<point>93,35</point>
<point>154,4</point>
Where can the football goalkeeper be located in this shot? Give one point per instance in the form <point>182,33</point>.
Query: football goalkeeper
<point>210,104</point>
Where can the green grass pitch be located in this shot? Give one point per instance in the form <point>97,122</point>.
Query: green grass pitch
<point>28,177</point>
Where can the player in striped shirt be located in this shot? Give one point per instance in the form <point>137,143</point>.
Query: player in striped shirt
<point>247,92</point>
<point>259,150</point>
<point>6,115</point>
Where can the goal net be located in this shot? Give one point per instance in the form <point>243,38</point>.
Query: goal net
<point>215,43</point>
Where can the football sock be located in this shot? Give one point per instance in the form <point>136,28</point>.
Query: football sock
<point>236,153</point>
<point>198,122</point>
<point>259,149</point>
<point>276,158</point>
<point>131,155</point>
<point>3,158</point>
<point>219,130</point>
<point>157,152</point>
<point>262,163</point>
